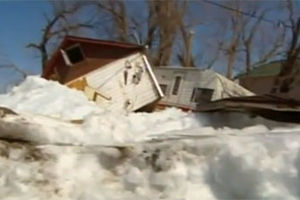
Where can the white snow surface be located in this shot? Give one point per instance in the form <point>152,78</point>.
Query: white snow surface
<point>39,96</point>
<point>145,156</point>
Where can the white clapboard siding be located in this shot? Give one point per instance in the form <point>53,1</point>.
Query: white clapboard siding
<point>110,81</point>
<point>196,78</point>
<point>186,92</point>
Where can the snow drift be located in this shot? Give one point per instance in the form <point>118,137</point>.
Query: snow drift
<point>82,151</point>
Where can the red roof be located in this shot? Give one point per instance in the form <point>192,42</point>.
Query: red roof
<point>69,40</point>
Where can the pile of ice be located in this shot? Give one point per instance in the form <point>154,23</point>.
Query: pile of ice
<point>239,168</point>
<point>162,155</point>
<point>47,105</point>
<point>39,96</point>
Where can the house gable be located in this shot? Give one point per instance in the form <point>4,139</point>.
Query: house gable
<point>196,86</point>
<point>95,53</point>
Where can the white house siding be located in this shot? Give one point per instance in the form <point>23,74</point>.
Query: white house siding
<point>196,78</point>
<point>208,80</point>
<point>187,90</point>
<point>176,98</point>
<point>167,77</point>
<point>109,80</point>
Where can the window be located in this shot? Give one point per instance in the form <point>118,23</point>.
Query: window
<point>176,85</point>
<point>201,95</point>
<point>163,88</point>
<point>73,55</point>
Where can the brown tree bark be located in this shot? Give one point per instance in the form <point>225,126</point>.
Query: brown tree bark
<point>286,77</point>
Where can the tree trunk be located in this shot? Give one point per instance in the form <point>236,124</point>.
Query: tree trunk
<point>44,56</point>
<point>230,63</point>
<point>248,59</point>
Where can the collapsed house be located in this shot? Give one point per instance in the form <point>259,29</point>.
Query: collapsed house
<point>114,74</point>
<point>187,88</point>
<point>118,75</point>
<point>207,91</point>
<point>271,107</point>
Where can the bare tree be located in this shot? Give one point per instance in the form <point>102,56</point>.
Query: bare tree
<point>166,27</point>
<point>169,19</point>
<point>121,25</point>
<point>232,48</point>
<point>185,56</point>
<point>248,34</point>
<point>163,22</point>
<point>117,11</point>
<point>186,25</point>
<point>286,77</point>
<point>248,39</point>
<point>5,63</point>
<point>273,50</point>
<point>231,40</point>
<point>12,66</point>
<point>57,25</point>
<point>238,40</point>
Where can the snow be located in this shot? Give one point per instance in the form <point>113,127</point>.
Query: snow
<point>111,155</point>
<point>39,96</point>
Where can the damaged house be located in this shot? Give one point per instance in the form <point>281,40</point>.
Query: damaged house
<point>189,87</point>
<point>114,74</point>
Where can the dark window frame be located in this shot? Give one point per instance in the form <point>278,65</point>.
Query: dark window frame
<point>70,60</point>
<point>201,95</point>
<point>176,86</point>
<point>164,88</point>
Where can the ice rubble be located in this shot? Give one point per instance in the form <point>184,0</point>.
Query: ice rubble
<point>39,96</point>
<point>37,100</point>
<point>185,161</point>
